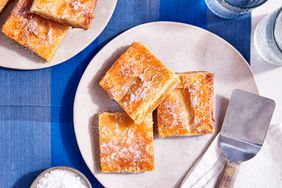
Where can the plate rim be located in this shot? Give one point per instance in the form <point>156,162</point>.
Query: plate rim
<point>125,33</point>
<point>48,65</point>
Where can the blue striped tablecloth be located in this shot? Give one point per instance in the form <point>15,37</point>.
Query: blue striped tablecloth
<point>36,118</point>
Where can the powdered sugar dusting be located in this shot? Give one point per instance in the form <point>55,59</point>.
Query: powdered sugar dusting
<point>172,112</point>
<point>125,146</point>
<point>32,26</point>
<point>173,117</point>
<point>200,89</point>
<point>32,31</point>
<point>137,80</point>
<point>146,84</point>
<point>82,8</point>
<point>76,5</point>
<point>50,35</point>
<point>189,109</point>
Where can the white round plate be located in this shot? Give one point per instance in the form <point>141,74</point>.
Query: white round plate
<point>16,56</point>
<point>183,48</point>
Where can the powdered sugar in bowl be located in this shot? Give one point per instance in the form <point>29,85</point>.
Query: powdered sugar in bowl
<point>61,176</point>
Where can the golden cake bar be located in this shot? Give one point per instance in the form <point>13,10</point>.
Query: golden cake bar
<point>3,3</point>
<point>40,35</point>
<point>77,13</point>
<point>125,146</point>
<point>138,81</point>
<point>189,109</point>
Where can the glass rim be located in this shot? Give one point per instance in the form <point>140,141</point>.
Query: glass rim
<point>237,8</point>
<point>279,11</point>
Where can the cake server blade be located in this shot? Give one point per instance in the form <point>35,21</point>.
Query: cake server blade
<point>244,129</point>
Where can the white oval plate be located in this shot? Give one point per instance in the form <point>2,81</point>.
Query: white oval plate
<point>183,48</point>
<point>16,56</point>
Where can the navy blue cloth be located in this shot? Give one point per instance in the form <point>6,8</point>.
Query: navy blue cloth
<point>36,107</point>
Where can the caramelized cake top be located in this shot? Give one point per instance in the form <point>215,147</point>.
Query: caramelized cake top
<point>77,13</point>
<point>32,31</point>
<point>138,81</point>
<point>198,87</point>
<point>125,146</point>
<point>189,109</point>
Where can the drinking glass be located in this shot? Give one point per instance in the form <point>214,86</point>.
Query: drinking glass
<point>268,38</point>
<point>232,8</point>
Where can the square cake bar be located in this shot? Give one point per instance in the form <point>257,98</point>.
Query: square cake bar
<point>138,81</point>
<point>189,109</point>
<point>40,35</point>
<point>77,13</point>
<point>125,146</point>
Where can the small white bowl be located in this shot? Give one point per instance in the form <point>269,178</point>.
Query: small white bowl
<point>35,182</point>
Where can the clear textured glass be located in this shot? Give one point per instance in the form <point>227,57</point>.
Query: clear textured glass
<point>268,38</point>
<point>232,8</point>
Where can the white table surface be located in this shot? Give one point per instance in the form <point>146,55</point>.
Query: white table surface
<point>268,77</point>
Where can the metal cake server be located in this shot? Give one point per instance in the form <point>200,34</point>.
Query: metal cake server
<point>243,132</point>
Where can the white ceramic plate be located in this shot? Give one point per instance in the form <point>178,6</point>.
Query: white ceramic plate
<point>13,55</point>
<point>182,48</point>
